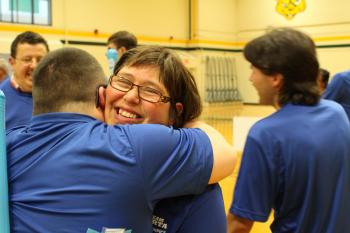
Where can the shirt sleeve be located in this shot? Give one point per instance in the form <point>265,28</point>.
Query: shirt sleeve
<point>256,184</point>
<point>172,162</point>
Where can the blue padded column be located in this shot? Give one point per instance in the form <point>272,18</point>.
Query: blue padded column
<point>4,201</point>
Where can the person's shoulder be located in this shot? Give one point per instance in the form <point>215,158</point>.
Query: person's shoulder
<point>5,84</point>
<point>332,107</point>
<point>274,124</point>
<point>345,73</point>
<point>329,104</point>
<point>342,76</point>
<point>264,123</point>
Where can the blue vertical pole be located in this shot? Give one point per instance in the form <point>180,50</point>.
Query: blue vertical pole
<point>4,201</point>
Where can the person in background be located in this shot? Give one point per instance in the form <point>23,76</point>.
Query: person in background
<point>338,90</point>
<point>4,70</point>
<point>322,80</point>
<point>151,85</point>
<point>27,49</point>
<point>70,172</point>
<point>297,159</point>
<point>117,44</point>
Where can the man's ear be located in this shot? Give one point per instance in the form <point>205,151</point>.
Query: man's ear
<point>11,61</point>
<point>277,81</point>
<point>121,51</point>
<point>101,96</point>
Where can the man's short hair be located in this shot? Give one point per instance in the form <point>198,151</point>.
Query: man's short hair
<point>293,54</point>
<point>28,37</point>
<point>123,39</point>
<point>66,76</point>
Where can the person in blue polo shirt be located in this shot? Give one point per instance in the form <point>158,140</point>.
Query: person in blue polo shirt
<point>27,49</point>
<point>70,172</point>
<point>338,90</point>
<point>145,81</point>
<point>297,160</point>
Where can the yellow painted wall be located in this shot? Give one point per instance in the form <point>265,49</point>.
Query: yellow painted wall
<point>327,22</point>
<point>220,24</point>
<point>151,18</point>
<point>216,20</point>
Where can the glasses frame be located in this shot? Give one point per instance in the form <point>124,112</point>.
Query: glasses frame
<point>162,98</point>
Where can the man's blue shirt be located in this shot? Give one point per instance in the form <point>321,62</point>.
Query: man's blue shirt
<point>70,172</point>
<point>297,162</point>
<point>338,90</point>
<point>18,107</point>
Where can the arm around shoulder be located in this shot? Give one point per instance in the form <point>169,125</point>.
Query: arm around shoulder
<point>223,153</point>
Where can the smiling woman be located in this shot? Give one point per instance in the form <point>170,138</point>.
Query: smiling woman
<point>130,107</point>
<point>151,85</point>
<point>162,75</point>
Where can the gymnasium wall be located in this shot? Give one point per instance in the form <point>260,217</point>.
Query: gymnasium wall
<point>327,22</point>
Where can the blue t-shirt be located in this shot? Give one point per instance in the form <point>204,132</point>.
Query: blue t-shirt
<point>18,107</point>
<point>204,213</point>
<point>70,172</point>
<point>339,90</point>
<point>297,162</point>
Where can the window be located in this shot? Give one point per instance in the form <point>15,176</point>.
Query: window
<point>26,11</point>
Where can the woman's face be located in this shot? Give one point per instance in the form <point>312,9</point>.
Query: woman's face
<point>128,108</point>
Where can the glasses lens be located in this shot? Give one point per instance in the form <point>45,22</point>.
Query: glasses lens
<point>121,84</point>
<point>149,94</point>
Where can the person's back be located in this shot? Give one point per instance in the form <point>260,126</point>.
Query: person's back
<point>300,144</point>
<point>78,172</point>
<point>339,90</point>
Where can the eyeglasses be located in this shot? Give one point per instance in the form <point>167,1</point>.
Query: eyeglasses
<point>29,60</point>
<point>145,93</point>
